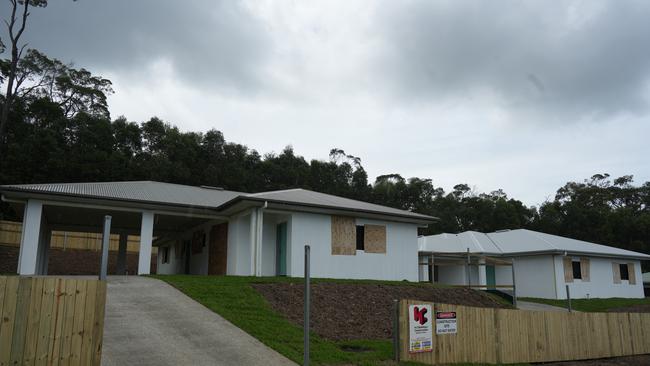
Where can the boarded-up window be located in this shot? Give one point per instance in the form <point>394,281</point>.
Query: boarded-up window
<point>568,270</point>
<point>631,273</point>
<point>375,239</point>
<point>343,236</point>
<point>584,268</point>
<point>616,268</point>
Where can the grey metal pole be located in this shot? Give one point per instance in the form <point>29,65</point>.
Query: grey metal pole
<point>514,285</point>
<point>396,329</point>
<point>106,238</point>
<point>568,298</point>
<point>468,271</point>
<point>307,303</point>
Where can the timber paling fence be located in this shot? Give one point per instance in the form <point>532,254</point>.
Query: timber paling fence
<point>51,321</point>
<point>486,335</point>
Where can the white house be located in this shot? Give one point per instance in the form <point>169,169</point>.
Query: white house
<point>207,230</point>
<point>542,265</point>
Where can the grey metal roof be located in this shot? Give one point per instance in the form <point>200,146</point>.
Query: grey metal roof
<point>182,195</point>
<point>139,191</point>
<point>520,241</point>
<point>312,198</point>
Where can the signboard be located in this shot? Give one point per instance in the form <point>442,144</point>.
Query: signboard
<point>446,322</point>
<point>420,328</point>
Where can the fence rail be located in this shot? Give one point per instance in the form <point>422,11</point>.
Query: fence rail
<point>10,232</point>
<point>486,335</point>
<point>51,321</point>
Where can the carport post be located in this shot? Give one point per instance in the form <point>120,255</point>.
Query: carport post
<point>307,300</point>
<point>106,239</point>
<point>514,284</point>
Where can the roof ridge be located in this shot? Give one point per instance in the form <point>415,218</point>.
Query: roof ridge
<point>493,242</point>
<point>535,233</point>
<point>279,190</point>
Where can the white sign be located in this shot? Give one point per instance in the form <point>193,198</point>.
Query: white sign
<point>446,322</point>
<point>420,328</point>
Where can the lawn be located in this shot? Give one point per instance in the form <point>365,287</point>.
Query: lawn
<point>235,299</point>
<point>591,305</point>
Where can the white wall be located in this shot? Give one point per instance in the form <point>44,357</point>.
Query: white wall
<point>601,282</point>
<point>239,250</point>
<point>400,262</point>
<point>535,277</point>
<point>452,275</point>
<point>174,266</point>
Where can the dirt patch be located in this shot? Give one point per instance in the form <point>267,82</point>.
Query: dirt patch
<point>642,360</point>
<point>359,311</point>
<point>641,308</point>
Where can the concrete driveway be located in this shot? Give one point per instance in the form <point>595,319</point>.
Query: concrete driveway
<point>525,305</point>
<point>148,322</point>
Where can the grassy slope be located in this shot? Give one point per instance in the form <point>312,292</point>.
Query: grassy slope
<point>590,305</point>
<point>234,299</point>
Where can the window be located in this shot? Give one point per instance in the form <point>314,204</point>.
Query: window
<point>577,271</point>
<point>625,274</point>
<point>165,254</point>
<point>360,237</point>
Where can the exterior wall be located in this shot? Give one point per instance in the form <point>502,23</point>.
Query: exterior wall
<point>601,284</point>
<point>452,275</point>
<point>535,277</point>
<point>198,261</point>
<point>174,266</point>
<point>400,262</point>
<point>503,275</point>
<point>239,250</point>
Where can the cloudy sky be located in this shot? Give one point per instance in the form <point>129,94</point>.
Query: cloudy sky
<point>519,95</point>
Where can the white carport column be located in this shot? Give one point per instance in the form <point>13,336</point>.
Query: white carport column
<point>146,238</point>
<point>29,242</point>
<point>482,273</point>
<point>121,254</point>
<point>253,243</point>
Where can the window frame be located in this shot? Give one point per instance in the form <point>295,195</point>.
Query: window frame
<point>360,238</point>
<point>578,268</point>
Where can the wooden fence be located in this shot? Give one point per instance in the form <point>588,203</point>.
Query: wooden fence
<point>51,321</point>
<point>10,232</point>
<point>486,335</point>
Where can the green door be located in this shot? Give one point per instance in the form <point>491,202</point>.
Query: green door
<point>491,277</point>
<point>281,249</point>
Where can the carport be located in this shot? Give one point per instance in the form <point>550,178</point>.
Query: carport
<point>152,214</point>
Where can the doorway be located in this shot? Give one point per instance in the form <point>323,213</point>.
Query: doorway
<point>490,277</point>
<point>281,249</point>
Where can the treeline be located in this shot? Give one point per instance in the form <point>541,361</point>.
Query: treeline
<point>60,130</point>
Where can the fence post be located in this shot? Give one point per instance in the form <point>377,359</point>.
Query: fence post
<point>396,329</point>
<point>514,285</point>
<point>307,303</point>
<point>106,238</point>
<point>568,298</point>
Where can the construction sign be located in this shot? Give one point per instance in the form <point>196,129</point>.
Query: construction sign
<point>446,322</point>
<point>420,328</point>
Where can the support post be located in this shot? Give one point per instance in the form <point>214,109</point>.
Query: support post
<point>568,298</point>
<point>106,240</point>
<point>514,284</point>
<point>121,254</point>
<point>253,238</point>
<point>146,239</point>
<point>396,329</point>
<point>468,271</point>
<point>44,246</point>
<point>29,241</point>
<point>307,303</point>
<point>482,273</point>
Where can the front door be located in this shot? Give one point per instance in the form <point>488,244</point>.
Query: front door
<point>218,252</point>
<point>490,277</point>
<point>281,249</point>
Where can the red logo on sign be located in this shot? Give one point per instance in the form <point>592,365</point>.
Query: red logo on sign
<point>419,315</point>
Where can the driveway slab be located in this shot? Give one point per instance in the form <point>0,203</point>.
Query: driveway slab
<point>148,322</point>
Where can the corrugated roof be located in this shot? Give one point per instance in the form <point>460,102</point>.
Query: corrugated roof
<point>520,241</point>
<point>182,195</point>
<point>307,197</point>
<point>140,191</point>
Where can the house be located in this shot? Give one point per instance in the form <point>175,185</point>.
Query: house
<point>540,265</point>
<point>646,283</point>
<point>208,230</point>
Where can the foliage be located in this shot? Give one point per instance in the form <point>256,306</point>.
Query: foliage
<point>61,132</point>
<point>591,305</point>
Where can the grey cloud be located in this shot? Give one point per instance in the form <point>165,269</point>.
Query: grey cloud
<point>211,44</point>
<point>544,60</point>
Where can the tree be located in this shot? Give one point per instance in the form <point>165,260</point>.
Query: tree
<point>15,26</point>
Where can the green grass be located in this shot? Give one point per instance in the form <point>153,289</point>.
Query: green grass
<point>590,305</point>
<point>235,299</point>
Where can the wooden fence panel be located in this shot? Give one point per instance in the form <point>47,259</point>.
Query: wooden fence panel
<point>41,317</point>
<point>487,335</point>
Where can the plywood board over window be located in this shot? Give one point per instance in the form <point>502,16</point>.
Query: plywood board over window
<point>375,239</point>
<point>631,274</point>
<point>584,269</point>
<point>344,236</point>
<point>616,268</point>
<point>568,269</point>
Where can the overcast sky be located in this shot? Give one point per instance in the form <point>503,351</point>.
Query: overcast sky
<point>519,95</point>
